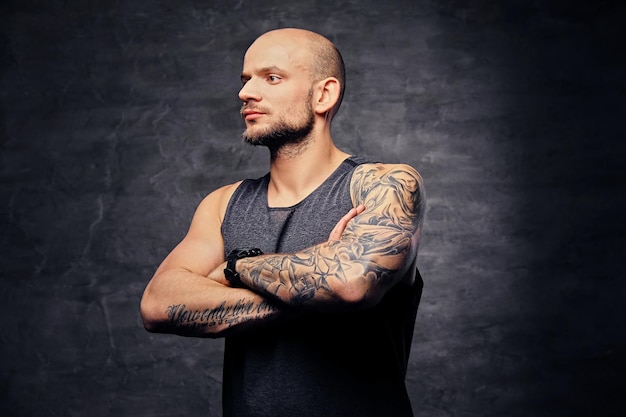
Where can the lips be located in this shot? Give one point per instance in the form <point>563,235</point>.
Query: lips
<point>251,114</point>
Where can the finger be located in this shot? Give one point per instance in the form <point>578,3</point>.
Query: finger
<point>335,234</point>
<point>337,231</point>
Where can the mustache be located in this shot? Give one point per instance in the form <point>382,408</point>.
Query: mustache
<point>252,108</point>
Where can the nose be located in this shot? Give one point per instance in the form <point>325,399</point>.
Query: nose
<point>248,92</point>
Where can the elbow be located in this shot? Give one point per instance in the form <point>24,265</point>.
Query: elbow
<point>153,315</point>
<point>149,317</point>
<point>358,295</point>
<point>153,311</point>
<point>150,311</point>
<point>366,290</point>
<point>149,324</point>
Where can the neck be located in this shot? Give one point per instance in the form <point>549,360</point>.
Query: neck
<point>297,171</point>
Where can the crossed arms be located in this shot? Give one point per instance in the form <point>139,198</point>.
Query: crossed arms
<point>372,248</point>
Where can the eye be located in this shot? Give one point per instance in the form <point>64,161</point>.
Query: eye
<point>273,78</point>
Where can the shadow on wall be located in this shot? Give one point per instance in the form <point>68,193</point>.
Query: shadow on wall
<point>525,205</point>
<point>566,126</point>
<point>572,159</point>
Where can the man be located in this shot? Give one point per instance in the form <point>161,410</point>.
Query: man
<point>309,272</point>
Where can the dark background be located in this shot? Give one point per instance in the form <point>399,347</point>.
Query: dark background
<point>117,117</point>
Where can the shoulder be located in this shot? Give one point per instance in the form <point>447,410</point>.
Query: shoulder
<point>371,174</point>
<point>214,204</point>
<point>381,186</point>
<point>389,191</point>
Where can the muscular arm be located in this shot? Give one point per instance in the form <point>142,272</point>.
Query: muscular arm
<point>181,299</point>
<point>375,251</point>
<point>196,306</point>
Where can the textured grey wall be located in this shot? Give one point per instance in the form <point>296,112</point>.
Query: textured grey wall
<point>119,116</point>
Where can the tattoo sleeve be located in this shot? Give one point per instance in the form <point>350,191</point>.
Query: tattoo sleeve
<point>360,267</point>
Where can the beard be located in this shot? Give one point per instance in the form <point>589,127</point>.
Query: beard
<point>284,133</point>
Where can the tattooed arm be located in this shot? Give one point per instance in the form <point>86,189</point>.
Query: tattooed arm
<point>181,299</point>
<point>377,249</point>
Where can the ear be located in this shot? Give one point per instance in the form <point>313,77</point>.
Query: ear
<point>328,91</point>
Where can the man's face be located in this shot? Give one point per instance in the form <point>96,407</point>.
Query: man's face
<point>276,94</point>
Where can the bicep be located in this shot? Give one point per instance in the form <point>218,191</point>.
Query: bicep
<point>202,248</point>
<point>195,255</point>
<point>389,228</point>
<point>394,193</point>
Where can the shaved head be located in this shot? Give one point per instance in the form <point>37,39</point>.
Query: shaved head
<point>322,58</point>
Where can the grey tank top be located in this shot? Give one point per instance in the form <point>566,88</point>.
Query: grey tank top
<point>249,222</point>
<point>348,364</point>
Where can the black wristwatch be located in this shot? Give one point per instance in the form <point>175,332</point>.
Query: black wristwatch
<point>230,272</point>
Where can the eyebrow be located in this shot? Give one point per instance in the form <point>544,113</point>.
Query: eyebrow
<point>264,70</point>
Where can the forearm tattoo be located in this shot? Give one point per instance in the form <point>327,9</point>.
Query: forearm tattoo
<point>373,247</point>
<point>224,315</point>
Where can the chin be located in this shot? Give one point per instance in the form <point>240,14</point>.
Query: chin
<point>252,137</point>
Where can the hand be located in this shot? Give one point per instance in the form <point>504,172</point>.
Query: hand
<point>337,231</point>
<point>217,274</point>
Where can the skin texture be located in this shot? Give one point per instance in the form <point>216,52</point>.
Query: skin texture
<point>371,249</point>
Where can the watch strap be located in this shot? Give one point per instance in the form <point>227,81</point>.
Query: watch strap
<point>230,272</point>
